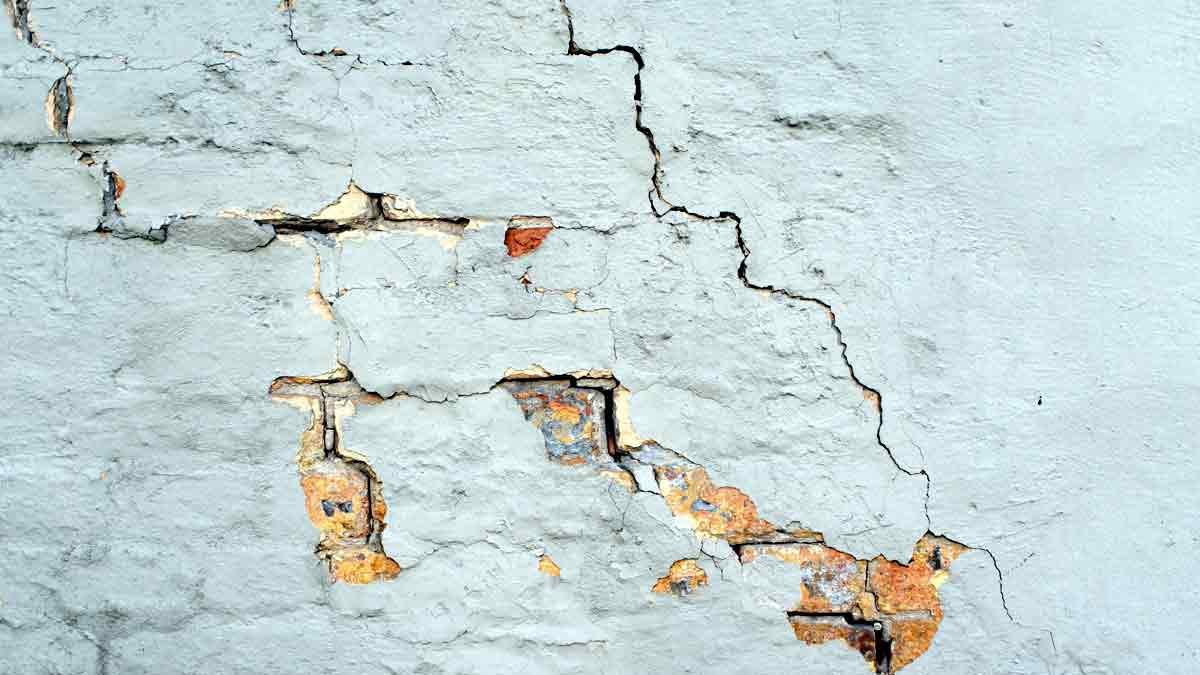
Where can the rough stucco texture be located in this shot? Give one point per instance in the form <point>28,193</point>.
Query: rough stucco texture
<point>515,336</point>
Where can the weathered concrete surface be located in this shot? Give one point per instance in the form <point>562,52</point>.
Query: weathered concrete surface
<point>930,269</point>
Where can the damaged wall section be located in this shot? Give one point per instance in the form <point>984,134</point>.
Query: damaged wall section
<point>342,494</point>
<point>888,611</point>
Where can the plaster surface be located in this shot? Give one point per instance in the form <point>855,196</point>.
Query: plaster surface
<point>888,271</point>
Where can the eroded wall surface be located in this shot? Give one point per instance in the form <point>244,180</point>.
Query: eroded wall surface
<point>599,337</point>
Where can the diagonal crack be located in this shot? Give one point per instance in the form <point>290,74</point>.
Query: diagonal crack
<point>656,192</point>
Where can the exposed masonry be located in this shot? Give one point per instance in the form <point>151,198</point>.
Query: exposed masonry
<point>354,210</point>
<point>342,494</point>
<point>887,611</point>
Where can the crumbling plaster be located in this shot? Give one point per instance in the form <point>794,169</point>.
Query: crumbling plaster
<point>886,269</point>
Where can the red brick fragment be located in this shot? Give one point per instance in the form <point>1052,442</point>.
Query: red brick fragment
<point>524,240</point>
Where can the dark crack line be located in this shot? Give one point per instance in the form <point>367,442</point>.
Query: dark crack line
<point>289,8</point>
<point>656,191</point>
<point>573,49</point>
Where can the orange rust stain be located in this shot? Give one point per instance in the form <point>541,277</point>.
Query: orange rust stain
<point>361,565</point>
<point>342,497</point>
<point>335,496</point>
<point>910,639</point>
<point>820,629</point>
<point>913,587</point>
<point>342,504</point>
<point>902,597</point>
<point>714,512</point>
<point>566,413</point>
<point>524,240</point>
<point>840,597</point>
<point>684,577</point>
<point>548,567</point>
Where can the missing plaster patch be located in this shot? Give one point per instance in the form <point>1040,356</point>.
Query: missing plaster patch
<point>886,610</point>
<point>684,578</point>
<point>18,17</point>
<point>342,495</point>
<point>357,212</point>
<point>525,234</point>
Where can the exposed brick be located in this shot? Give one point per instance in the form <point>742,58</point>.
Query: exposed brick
<point>335,496</point>
<point>524,240</point>
<point>684,578</point>
<point>714,512</point>
<point>571,419</point>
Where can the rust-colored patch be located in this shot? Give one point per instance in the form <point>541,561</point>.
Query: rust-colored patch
<point>336,498</point>
<point>815,630</point>
<point>571,419</point>
<point>342,496</point>
<point>886,610</point>
<point>547,566</point>
<point>524,240</point>
<point>911,637</point>
<point>714,512</point>
<point>118,184</point>
<point>913,587</point>
<point>361,565</point>
<point>684,577</point>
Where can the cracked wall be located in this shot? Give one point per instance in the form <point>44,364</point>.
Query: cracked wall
<point>598,337</point>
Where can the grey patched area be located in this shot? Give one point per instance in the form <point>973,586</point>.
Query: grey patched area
<point>599,337</point>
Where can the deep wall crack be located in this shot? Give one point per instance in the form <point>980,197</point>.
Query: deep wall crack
<point>656,192</point>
